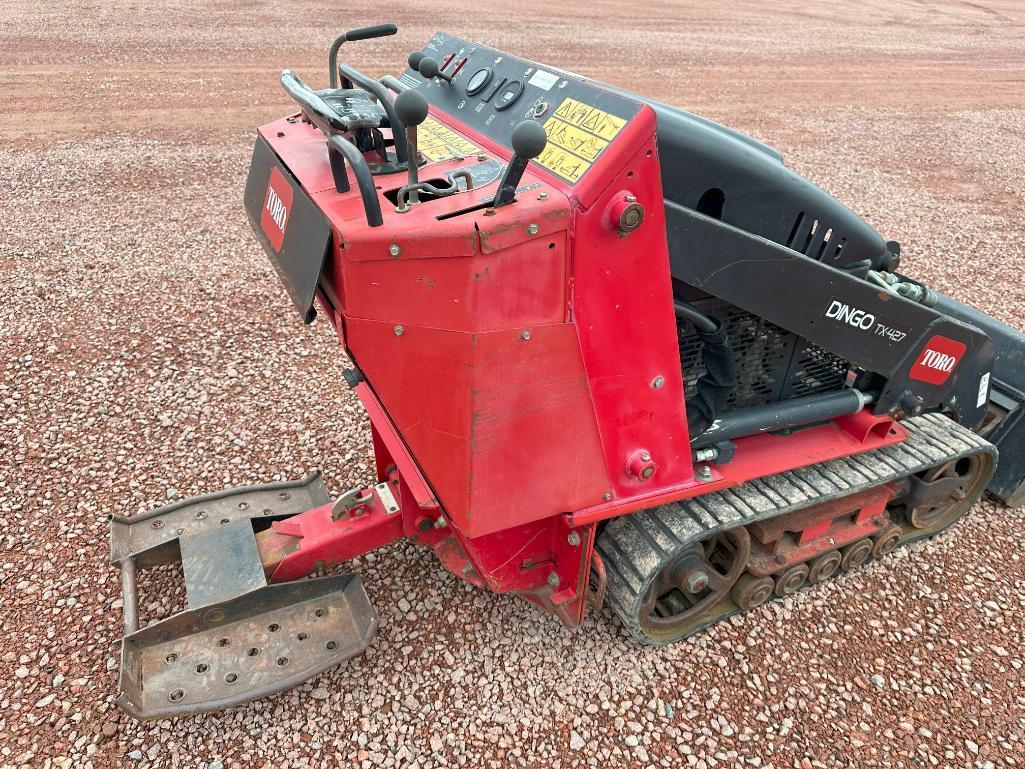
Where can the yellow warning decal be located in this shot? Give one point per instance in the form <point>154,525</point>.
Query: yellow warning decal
<point>577,134</point>
<point>436,142</point>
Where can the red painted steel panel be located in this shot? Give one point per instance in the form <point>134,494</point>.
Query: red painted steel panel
<point>623,310</point>
<point>486,415</point>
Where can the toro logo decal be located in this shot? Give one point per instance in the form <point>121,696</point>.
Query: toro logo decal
<point>276,207</point>
<point>939,358</point>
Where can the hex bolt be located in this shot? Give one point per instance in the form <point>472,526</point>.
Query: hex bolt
<point>399,331</point>
<point>573,538</point>
<point>607,496</point>
<point>704,474</point>
<point>542,196</point>
<point>482,158</point>
<point>532,229</point>
<point>553,579</point>
<point>658,382</point>
<point>631,198</point>
<point>441,523</point>
<point>524,335</point>
<point>645,457</point>
<point>696,581</point>
<point>394,249</point>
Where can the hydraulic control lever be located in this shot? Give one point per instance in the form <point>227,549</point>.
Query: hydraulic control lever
<point>528,141</point>
<point>411,110</point>
<point>427,67</point>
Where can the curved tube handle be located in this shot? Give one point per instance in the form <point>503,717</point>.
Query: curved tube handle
<point>363,33</point>
<point>378,90</point>
<point>338,148</point>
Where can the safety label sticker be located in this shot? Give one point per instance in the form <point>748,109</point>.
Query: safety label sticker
<point>577,135</point>
<point>436,142</point>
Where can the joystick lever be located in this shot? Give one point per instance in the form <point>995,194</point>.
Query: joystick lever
<point>528,141</point>
<point>411,110</point>
<point>429,68</point>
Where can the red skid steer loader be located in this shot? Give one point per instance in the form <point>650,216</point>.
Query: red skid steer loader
<point>611,351</point>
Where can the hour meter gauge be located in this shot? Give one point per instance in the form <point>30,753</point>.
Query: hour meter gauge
<point>478,80</point>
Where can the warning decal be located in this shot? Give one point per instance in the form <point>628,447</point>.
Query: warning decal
<point>436,142</point>
<point>577,134</point>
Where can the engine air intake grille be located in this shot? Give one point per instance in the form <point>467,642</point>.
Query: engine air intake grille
<point>772,363</point>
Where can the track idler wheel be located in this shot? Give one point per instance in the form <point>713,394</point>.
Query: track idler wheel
<point>824,567</point>
<point>791,580</point>
<point>855,554</point>
<point>672,590</point>
<point>886,542</point>
<point>937,496</point>
<point>751,591</point>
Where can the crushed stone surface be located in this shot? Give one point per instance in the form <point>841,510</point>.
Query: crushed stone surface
<point>147,353</point>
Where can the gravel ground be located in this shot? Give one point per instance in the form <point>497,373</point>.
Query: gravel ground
<point>149,354</point>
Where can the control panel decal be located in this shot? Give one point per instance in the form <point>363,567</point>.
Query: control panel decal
<point>577,134</point>
<point>436,142</point>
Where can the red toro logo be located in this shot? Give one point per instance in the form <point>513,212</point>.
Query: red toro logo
<point>276,207</point>
<point>939,358</point>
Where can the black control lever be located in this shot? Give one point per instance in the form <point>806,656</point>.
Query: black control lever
<point>528,141</point>
<point>411,110</point>
<point>429,68</point>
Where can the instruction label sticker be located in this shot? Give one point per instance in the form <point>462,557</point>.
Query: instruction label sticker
<point>577,135</point>
<point>436,142</point>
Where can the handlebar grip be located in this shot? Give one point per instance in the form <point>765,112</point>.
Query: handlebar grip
<point>366,33</point>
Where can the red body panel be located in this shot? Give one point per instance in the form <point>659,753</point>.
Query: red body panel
<point>521,367</point>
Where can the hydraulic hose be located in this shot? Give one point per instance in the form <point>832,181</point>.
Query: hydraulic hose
<point>715,385</point>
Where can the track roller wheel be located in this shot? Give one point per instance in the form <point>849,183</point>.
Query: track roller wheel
<point>855,554</point>
<point>791,580</point>
<point>886,542</point>
<point>751,591</point>
<point>824,567</point>
<point>662,584</point>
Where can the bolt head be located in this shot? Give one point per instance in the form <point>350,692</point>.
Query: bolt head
<point>542,196</point>
<point>394,249</point>
<point>696,581</point>
<point>658,382</point>
<point>607,496</point>
<point>532,229</point>
<point>399,331</point>
<point>553,579</point>
<point>704,473</point>
<point>524,335</point>
<point>645,457</point>
<point>573,538</point>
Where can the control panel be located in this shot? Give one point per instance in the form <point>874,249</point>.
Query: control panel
<point>492,92</point>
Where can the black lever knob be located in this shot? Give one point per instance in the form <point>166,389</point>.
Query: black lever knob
<point>411,109</point>
<point>414,60</point>
<point>528,141</point>
<point>429,68</point>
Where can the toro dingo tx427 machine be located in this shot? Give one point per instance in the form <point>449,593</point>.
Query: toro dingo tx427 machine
<point>611,352</point>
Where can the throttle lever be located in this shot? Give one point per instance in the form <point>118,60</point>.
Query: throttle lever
<point>429,69</point>
<point>528,141</point>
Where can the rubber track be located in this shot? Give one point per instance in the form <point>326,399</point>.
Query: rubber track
<point>634,546</point>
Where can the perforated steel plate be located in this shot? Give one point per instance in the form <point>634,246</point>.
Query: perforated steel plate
<point>224,654</point>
